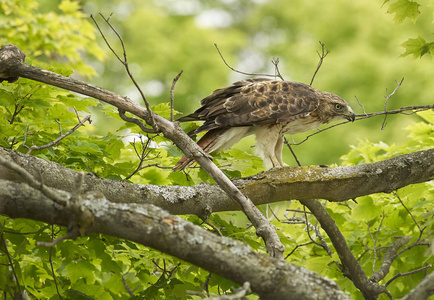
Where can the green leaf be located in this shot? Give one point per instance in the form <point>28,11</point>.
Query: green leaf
<point>365,210</point>
<point>417,47</point>
<point>404,9</point>
<point>81,269</point>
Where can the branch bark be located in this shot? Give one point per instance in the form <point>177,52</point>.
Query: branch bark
<point>153,227</point>
<point>302,183</point>
<point>12,66</point>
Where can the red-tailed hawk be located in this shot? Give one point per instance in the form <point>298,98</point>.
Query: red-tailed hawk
<point>264,107</point>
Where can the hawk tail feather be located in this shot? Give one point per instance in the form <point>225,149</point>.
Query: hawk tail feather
<point>207,142</point>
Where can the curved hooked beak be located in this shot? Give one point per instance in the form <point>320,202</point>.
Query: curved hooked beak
<point>351,117</point>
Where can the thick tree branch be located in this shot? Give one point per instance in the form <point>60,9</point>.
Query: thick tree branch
<point>156,228</point>
<point>352,268</point>
<point>12,65</point>
<point>302,183</point>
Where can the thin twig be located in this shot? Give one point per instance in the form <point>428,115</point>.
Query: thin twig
<point>275,62</point>
<point>61,137</point>
<point>206,284</point>
<point>363,107</point>
<point>68,236</point>
<point>388,96</point>
<point>292,151</point>
<point>407,274</point>
<point>207,222</point>
<point>135,121</point>
<point>298,211</point>
<point>127,287</point>
<point>272,212</point>
<point>17,107</point>
<point>124,61</point>
<point>300,220</point>
<point>296,247</point>
<point>241,72</point>
<point>408,211</point>
<point>50,259</point>
<point>375,241</point>
<point>146,150</point>
<point>11,264</point>
<point>169,274</point>
<point>172,94</point>
<point>321,59</point>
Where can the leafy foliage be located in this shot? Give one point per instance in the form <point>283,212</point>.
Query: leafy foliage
<point>403,9</point>
<point>103,267</point>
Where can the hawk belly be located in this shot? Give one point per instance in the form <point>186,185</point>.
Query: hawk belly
<point>269,139</point>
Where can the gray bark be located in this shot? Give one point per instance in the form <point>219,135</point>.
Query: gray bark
<point>301,183</point>
<point>153,227</point>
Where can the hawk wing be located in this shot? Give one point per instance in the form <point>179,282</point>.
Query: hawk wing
<point>254,102</point>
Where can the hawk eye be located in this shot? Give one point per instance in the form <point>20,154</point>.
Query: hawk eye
<point>338,106</point>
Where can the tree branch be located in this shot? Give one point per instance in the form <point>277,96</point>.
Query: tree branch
<point>352,268</point>
<point>156,228</point>
<point>304,183</point>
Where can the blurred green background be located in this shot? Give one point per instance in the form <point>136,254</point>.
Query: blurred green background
<point>165,36</point>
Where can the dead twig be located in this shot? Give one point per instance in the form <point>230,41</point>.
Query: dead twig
<point>296,247</point>
<point>292,151</point>
<point>310,227</point>
<point>135,121</point>
<point>10,262</point>
<point>408,211</point>
<point>61,137</point>
<point>68,236</point>
<point>407,274</point>
<point>50,260</point>
<point>275,62</point>
<point>241,72</point>
<point>361,105</point>
<point>321,55</point>
<point>375,241</point>
<point>143,154</point>
<point>388,96</point>
<point>124,61</point>
<point>172,94</point>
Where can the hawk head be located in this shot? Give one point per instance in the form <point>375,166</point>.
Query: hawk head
<point>332,108</point>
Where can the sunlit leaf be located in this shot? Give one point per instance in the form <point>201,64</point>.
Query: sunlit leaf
<point>404,9</point>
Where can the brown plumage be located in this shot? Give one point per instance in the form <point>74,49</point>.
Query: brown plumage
<point>264,107</point>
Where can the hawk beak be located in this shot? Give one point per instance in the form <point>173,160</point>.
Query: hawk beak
<point>351,117</point>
